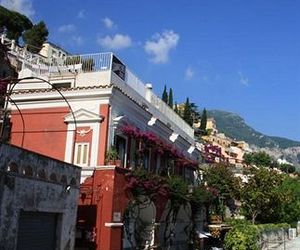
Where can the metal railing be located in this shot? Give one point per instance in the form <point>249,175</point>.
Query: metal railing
<point>98,62</point>
<point>134,82</point>
<point>88,62</point>
<point>171,115</point>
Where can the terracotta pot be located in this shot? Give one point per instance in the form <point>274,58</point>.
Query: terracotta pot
<point>215,219</point>
<point>114,163</point>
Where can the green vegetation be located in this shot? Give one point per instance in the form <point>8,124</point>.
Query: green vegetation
<point>289,208</point>
<point>190,112</point>
<point>235,127</point>
<point>87,63</point>
<point>165,95</point>
<point>201,196</point>
<point>14,22</point>
<point>259,159</point>
<point>176,108</point>
<point>18,25</point>
<point>267,197</point>
<point>170,99</point>
<point>221,178</point>
<point>187,112</point>
<point>178,192</point>
<point>287,168</point>
<point>244,236</point>
<point>260,197</point>
<point>203,120</point>
<point>35,37</point>
<point>111,154</point>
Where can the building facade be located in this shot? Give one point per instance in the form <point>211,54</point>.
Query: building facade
<point>52,53</point>
<point>38,200</point>
<point>80,112</point>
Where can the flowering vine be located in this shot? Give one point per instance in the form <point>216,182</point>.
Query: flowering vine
<point>153,141</point>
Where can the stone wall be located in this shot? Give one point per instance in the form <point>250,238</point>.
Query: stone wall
<point>34,183</point>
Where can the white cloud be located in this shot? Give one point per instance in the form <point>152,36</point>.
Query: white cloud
<point>115,42</point>
<point>243,79</point>
<point>108,23</point>
<point>77,40</point>
<point>189,73</point>
<point>81,14</point>
<point>67,28</point>
<point>160,45</point>
<point>23,6</point>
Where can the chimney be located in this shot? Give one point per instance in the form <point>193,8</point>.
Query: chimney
<point>148,92</point>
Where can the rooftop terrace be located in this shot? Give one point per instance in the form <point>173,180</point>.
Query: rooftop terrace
<point>100,69</point>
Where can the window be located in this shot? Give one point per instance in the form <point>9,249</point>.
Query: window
<point>121,148</point>
<point>61,85</point>
<point>81,154</point>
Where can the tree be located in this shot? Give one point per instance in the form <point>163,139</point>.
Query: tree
<point>176,108</point>
<point>14,22</point>
<point>203,121</point>
<point>260,197</point>
<point>287,168</point>
<point>18,25</point>
<point>170,101</point>
<point>35,37</point>
<point>165,95</point>
<point>190,112</point>
<point>221,179</point>
<point>259,159</point>
<point>289,209</point>
<point>187,112</point>
<point>194,112</point>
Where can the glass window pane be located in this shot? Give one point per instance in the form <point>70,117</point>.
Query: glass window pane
<point>78,156</point>
<point>84,156</point>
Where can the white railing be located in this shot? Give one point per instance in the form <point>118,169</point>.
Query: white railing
<point>90,62</point>
<point>136,89</point>
<point>169,113</point>
<point>74,64</point>
<point>134,82</point>
<point>132,85</point>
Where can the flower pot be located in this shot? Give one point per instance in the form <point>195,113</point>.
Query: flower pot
<point>215,219</point>
<point>113,163</point>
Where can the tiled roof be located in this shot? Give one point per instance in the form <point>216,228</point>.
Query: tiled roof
<point>29,91</point>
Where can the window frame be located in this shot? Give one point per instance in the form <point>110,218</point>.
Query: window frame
<point>79,159</point>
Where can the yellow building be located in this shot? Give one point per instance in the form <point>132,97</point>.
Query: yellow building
<point>232,150</point>
<point>52,52</point>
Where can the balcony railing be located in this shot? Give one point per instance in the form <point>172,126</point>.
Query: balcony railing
<point>132,85</point>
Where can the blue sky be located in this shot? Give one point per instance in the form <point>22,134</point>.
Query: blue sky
<point>239,56</point>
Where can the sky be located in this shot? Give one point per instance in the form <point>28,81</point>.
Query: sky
<point>233,55</point>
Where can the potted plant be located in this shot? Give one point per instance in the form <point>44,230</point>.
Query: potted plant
<point>112,157</point>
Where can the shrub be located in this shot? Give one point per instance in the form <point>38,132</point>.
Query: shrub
<point>178,191</point>
<point>242,237</point>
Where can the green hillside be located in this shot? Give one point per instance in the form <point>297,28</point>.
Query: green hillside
<point>235,127</point>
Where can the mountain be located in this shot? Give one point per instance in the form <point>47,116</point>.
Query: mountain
<point>235,127</point>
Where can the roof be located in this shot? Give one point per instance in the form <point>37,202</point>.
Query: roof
<point>56,47</point>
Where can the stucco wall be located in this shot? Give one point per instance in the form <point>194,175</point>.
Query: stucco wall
<point>44,131</point>
<point>32,182</point>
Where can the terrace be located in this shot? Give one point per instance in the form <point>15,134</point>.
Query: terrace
<point>105,69</point>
